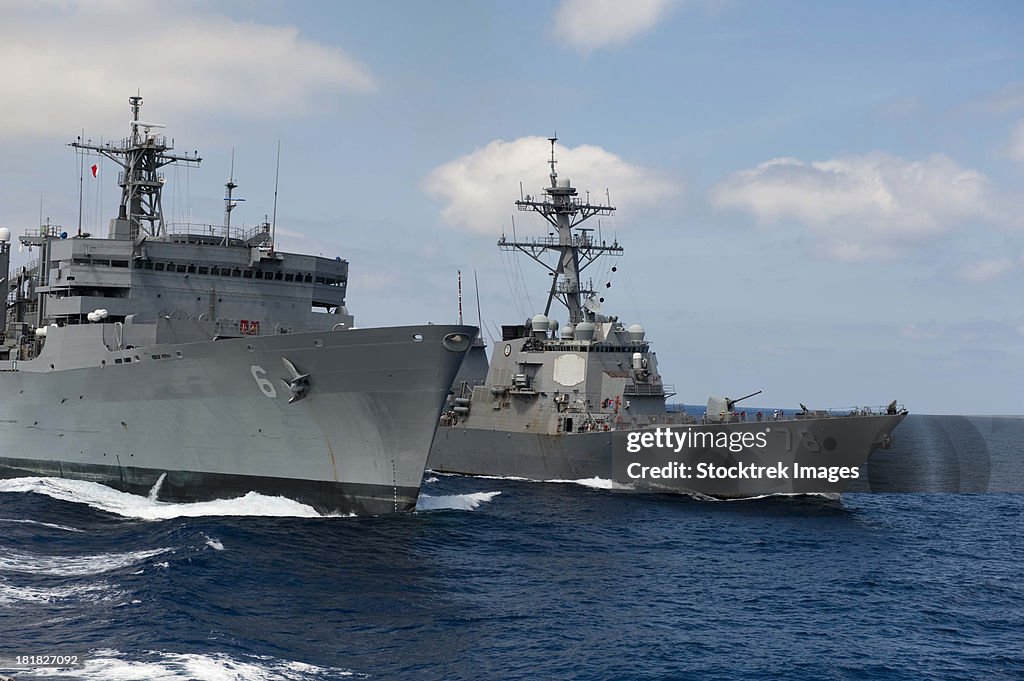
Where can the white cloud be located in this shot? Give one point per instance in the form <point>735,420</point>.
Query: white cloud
<point>64,61</point>
<point>1016,145</point>
<point>479,188</point>
<point>985,270</point>
<point>863,207</point>
<point>593,24</point>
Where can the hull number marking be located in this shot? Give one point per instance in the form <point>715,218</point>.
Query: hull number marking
<point>259,374</point>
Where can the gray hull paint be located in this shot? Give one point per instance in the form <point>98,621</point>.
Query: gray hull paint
<point>216,418</point>
<point>576,456</point>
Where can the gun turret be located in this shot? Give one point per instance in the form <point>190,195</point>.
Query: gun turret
<point>732,403</point>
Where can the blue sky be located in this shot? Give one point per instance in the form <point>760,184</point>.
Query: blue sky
<point>821,200</point>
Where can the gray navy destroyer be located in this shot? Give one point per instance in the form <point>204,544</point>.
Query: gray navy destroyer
<point>586,400</point>
<point>195,362</point>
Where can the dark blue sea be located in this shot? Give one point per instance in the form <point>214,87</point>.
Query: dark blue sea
<point>506,579</point>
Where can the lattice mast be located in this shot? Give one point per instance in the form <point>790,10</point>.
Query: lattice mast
<point>576,251</point>
<point>141,155</point>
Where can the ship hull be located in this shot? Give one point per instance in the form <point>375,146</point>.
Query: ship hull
<point>815,442</point>
<point>214,420</point>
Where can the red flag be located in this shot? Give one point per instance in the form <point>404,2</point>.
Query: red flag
<point>95,170</point>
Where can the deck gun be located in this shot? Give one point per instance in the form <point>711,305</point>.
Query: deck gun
<point>720,408</point>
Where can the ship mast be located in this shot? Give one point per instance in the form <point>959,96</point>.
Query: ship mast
<point>141,155</point>
<point>565,212</point>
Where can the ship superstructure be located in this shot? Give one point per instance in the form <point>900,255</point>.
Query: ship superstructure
<point>201,357</point>
<point>561,401</point>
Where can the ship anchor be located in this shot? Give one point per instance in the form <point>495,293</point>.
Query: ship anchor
<point>297,385</point>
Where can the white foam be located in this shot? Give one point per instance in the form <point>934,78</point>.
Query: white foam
<point>41,524</point>
<point>11,594</point>
<point>214,544</point>
<point>595,483</point>
<point>111,665</point>
<point>431,479</point>
<point>154,492</point>
<point>501,477</point>
<point>71,566</point>
<point>134,506</point>
<point>456,502</point>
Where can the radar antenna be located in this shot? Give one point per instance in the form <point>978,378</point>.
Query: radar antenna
<point>576,251</point>
<point>140,155</point>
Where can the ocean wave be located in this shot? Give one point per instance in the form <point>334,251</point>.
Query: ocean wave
<point>11,594</point>
<point>114,665</point>
<point>454,502</point>
<point>24,562</point>
<point>54,526</point>
<point>595,483</point>
<point>214,544</point>
<point>134,506</point>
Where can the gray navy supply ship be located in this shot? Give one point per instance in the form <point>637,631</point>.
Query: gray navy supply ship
<point>195,362</point>
<point>586,399</point>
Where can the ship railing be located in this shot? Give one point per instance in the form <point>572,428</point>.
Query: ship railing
<point>207,231</point>
<point>44,230</point>
<point>869,410</point>
<point>258,235</point>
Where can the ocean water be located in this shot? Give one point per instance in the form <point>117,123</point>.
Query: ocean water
<point>508,579</point>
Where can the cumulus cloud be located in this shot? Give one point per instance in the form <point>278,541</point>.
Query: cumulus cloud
<point>593,24</point>
<point>863,207</point>
<point>63,60</point>
<point>985,270</point>
<point>479,188</point>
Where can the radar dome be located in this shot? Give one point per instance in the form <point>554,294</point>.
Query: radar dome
<point>636,333</point>
<point>5,235</point>
<point>539,323</point>
<point>584,331</point>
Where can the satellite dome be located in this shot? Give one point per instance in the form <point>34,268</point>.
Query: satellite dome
<point>584,331</point>
<point>636,333</point>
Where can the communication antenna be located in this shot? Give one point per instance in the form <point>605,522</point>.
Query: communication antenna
<point>81,183</point>
<point>230,202</point>
<point>273,221</point>
<point>479,317</point>
<point>460,296</point>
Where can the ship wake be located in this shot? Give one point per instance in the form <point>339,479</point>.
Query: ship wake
<point>454,502</point>
<point>127,505</point>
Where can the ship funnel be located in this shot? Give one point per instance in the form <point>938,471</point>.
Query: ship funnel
<point>636,333</point>
<point>584,331</point>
